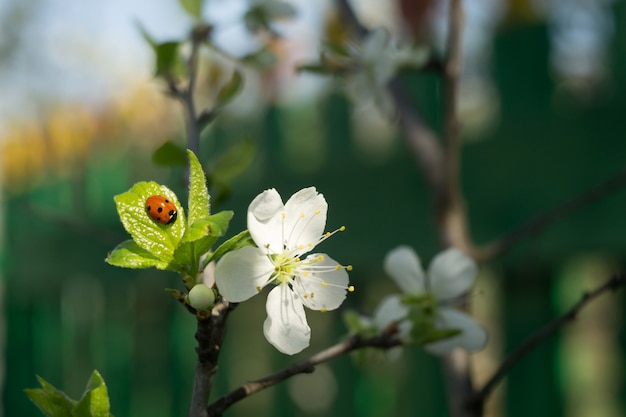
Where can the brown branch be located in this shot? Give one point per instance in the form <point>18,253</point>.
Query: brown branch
<point>450,205</point>
<point>384,340</point>
<point>613,284</point>
<point>543,220</point>
<point>210,335</point>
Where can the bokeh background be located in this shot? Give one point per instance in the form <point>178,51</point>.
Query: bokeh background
<point>543,100</point>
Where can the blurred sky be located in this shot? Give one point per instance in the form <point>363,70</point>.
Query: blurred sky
<point>92,51</point>
<point>71,50</point>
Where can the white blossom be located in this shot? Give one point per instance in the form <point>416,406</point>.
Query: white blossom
<point>450,275</point>
<point>284,233</point>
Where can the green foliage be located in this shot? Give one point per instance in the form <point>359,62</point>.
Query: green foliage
<point>235,161</point>
<point>167,62</point>
<point>158,239</point>
<point>261,59</point>
<point>230,89</point>
<point>357,324</point>
<point>170,154</point>
<point>236,242</point>
<point>55,403</point>
<point>192,7</point>
<point>422,314</point>
<point>177,246</point>
<point>261,14</point>
<point>130,255</point>
<point>199,206</point>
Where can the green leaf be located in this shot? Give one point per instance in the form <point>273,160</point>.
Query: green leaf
<point>315,69</point>
<point>146,36</point>
<point>199,206</point>
<point>199,237</point>
<point>338,49</point>
<point>51,401</point>
<point>279,9</point>
<point>170,154</point>
<point>230,89</point>
<point>234,243</point>
<point>95,400</point>
<point>158,239</point>
<point>356,324</point>
<point>166,58</point>
<point>261,59</point>
<point>205,118</point>
<point>130,255</point>
<point>192,7</point>
<point>234,162</point>
<point>434,335</point>
<point>256,19</point>
<point>215,225</point>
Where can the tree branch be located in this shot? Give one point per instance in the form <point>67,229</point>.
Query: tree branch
<point>384,340</point>
<point>613,284</point>
<point>210,335</point>
<point>543,220</point>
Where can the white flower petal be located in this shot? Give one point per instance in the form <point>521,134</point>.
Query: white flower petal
<point>451,274</point>
<point>305,219</point>
<point>208,275</point>
<point>472,338</point>
<point>375,44</point>
<point>403,265</point>
<point>265,220</point>
<point>388,311</point>
<point>239,274</point>
<point>286,327</point>
<point>321,290</point>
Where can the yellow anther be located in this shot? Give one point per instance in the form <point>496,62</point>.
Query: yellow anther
<point>320,258</point>
<point>338,267</point>
<point>342,228</point>
<point>349,267</point>
<point>258,289</point>
<point>324,284</point>
<point>301,246</point>
<point>317,211</point>
<point>351,288</point>
<point>305,296</point>
<point>297,259</point>
<point>309,244</point>
<point>327,234</point>
<point>323,310</point>
<point>283,215</point>
<point>305,273</point>
<point>312,294</point>
<point>302,215</point>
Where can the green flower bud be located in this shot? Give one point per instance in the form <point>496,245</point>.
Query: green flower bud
<point>201,297</point>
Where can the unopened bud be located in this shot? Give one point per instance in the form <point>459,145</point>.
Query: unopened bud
<point>201,297</point>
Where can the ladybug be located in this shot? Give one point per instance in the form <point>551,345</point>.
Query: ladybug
<point>160,209</point>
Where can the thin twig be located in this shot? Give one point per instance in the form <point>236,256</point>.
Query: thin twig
<point>384,340</point>
<point>612,284</point>
<point>543,220</point>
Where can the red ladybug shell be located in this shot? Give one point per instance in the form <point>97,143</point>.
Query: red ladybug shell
<point>160,209</point>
